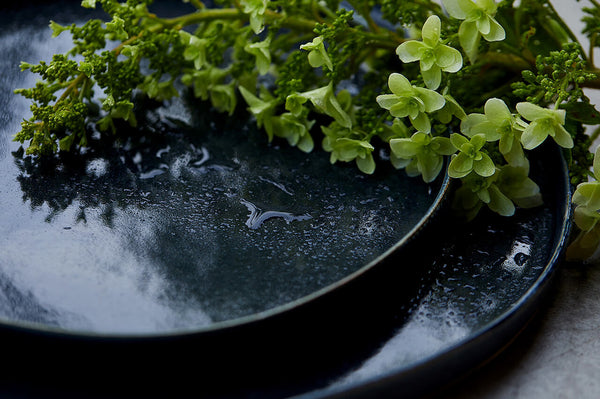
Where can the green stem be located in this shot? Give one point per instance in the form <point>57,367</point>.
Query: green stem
<point>508,61</point>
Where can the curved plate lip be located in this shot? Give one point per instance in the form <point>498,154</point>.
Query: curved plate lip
<point>436,205</point>
<point>541,283</point>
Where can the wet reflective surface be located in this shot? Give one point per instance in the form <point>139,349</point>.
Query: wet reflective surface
<point>129,227</point>
<point>195,220</point>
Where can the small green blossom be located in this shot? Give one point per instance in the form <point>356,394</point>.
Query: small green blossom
<point>256,10</point>
<point>195,49</point>
<point>587,215</point>
<point>262,52</point>
<point>434,56</point>
<point>544,122</point>
<point>451,109</point>
<point>423,153</point>
<point>223,97</point>
<point>262,108</point>
<point>497,124</point>
<point>515,183</point>
<point>470,157</point>
<point>317,55</point>
<point>477,191</point>
<point>346,146</point>
<point>57,29</point>
<point>412,101</point>
<point>478,21</point>
<point>324,100</point>
<point>295,130</point>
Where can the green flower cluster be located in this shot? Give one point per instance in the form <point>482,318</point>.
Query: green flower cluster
<point>364,90</point>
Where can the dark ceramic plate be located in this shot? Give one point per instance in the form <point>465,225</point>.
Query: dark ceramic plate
<point>399,315</point>
<point>196,221</point>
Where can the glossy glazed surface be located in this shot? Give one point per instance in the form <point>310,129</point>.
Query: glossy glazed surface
<point>194,221</point>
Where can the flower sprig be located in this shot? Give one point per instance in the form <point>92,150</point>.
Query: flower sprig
<point>468,87</point>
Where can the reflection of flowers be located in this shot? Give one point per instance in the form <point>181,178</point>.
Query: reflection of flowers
<point>478,21</point>
<point>434,56</point>
<point>411,101</point>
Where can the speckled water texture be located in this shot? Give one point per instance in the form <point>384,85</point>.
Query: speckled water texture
<point>195,220</point>
<point>179,232</point>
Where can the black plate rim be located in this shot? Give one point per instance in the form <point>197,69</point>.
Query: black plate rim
<point>440,198</point>
<point>503,328</point>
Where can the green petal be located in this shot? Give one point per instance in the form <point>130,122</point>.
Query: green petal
<point>483,25</point>
<point>294,103</point>
<point>458,140</point>
<point>588,194</point>
<point>469,38</point>
<point>478,141</point>
<point>562,137</point>
<point>442,146</point>
<point>585,218</point>
<point>405,148</point>
<point>484,195</point>
<point>500,203</point>
<point>421,123</point>
<point>496,32</point>
<point>485,166</point>
<point>399,85</point>
<point>459,9</point>
<point>497,111</point>
<point>448,58</point>
<point>433,100</point>
<point>460,166</point>
<point>431,31</point>
<point>533,136</point>
<point>596,164</point>
<point>409,51</point>
<point>430,165</point>
<point>386,101</point>
<point>469,125</point>
<point>432,77</point>
<point>531,111</point>
<point>306,143</point>
<point>506,143</point>
<point>403,108</point>
<point>489,6</point>
<point>427,60</point>
<point>366,164</point>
